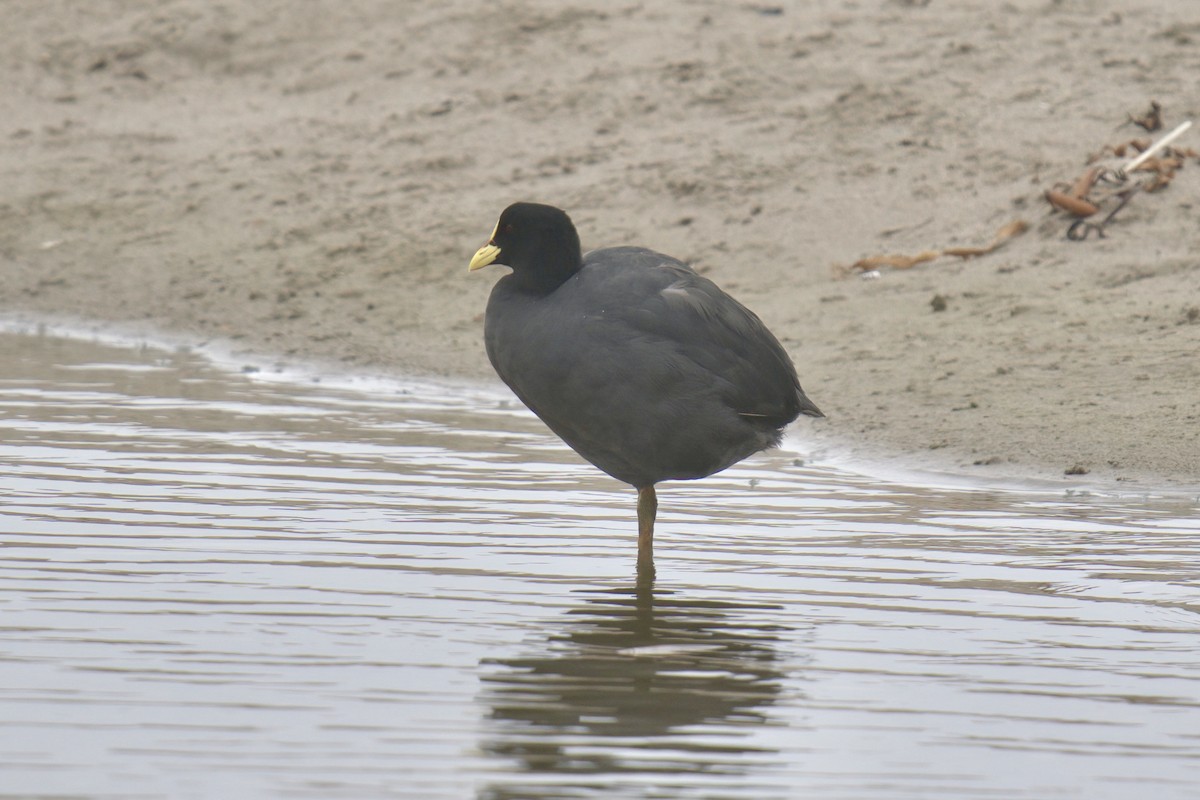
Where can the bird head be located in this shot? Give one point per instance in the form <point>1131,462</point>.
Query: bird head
<point>538,242</point>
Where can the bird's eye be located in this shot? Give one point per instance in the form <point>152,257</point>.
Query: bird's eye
<point>508,228</point>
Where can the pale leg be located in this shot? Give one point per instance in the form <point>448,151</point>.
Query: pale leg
<point>647,509</point>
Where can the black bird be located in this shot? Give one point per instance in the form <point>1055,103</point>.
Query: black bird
<point>644,367</point>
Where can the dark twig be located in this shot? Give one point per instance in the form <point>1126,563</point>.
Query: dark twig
<point>1080,228</point>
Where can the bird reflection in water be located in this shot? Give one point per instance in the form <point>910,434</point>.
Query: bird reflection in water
<point>639,684</point>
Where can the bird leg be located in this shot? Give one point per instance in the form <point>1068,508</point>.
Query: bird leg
<point>647,509</point>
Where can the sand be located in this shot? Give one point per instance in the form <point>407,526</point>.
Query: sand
<point>310,186</point>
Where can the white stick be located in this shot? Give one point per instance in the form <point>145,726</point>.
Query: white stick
<point>1154,148</point>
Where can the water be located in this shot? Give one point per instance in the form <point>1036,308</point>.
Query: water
<point>215,584</point>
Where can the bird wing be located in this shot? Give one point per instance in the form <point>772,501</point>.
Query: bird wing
<point>672,303</point>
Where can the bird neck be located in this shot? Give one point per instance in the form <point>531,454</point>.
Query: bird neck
<point>557,261</point>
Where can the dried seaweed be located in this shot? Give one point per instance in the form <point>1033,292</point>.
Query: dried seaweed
<point>1110,188</point>
<point>897,261</point>
<point>1100,188</point>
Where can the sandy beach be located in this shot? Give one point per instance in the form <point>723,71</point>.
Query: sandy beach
<point>311,186</point>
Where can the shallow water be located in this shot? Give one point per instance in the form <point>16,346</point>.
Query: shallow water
<point>215,584</point>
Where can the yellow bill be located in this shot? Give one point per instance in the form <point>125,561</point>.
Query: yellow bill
<point>486,254</point>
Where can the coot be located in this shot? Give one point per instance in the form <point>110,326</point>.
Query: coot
<point>644,367</point>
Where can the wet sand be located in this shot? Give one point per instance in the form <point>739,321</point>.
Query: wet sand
<point>311,188</point>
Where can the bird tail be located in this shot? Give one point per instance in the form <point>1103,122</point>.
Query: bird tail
<point>807,407</point>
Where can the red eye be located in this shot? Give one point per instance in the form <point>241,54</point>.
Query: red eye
<point>508,228</point>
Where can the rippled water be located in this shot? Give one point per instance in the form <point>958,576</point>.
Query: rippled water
<point>215,584</point>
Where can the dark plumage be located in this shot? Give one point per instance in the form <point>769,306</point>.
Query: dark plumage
<point>644,367</point>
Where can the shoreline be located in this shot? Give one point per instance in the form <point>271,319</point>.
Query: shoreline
<point>825,446</point>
